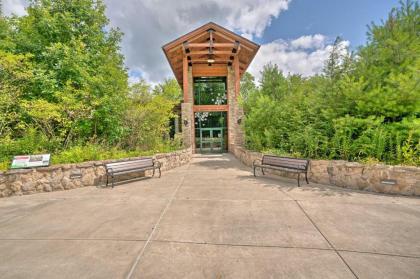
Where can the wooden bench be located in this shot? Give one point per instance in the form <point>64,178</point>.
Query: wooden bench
<point>118,168</point>
<point>283,164</point>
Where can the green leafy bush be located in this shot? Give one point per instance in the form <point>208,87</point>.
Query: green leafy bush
<point>64,88</point>
<point>364,107</point>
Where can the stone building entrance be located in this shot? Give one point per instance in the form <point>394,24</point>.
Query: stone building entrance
<point>211,132</point>
<point>208,63</point>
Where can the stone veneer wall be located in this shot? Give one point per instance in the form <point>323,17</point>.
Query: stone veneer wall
<point>235,131</point>
<point>187,130</point>
<point>70,176</point>
<point>352,175</point>
<point>187,113</point>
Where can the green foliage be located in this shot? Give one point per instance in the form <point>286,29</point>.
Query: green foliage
<point>77,75</point>
<point>93,152</point>
<point>15,76</point>
<point>64,88</point>
<point>365,106</point>
<point>247,85</point>
<point>148,114</point>
<point>32,142</point>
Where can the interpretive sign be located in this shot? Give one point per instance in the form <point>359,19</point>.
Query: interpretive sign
<point>31,161</point>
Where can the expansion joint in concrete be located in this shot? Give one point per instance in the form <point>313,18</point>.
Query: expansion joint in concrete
<point>149,239</point>
<point>326,239</point>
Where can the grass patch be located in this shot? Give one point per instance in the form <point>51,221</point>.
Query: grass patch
<point>94,152</point>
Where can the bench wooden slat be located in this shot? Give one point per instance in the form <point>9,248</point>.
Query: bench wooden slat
<point>133,165</point>
<point>299,167</point>
<point>118,170</point>
<point>282,159</point>
<point>289,164</point>
<point>131,161</point>
<point>280,163</point>
<point>133,170</point>
<point>124,167</point>
<point>281,168</point>
<point>276,162</point>
<point>146,161</point>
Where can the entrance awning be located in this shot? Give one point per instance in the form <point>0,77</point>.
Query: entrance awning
<point>210,44</point>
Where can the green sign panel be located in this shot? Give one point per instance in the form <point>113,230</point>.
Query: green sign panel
<point>30,161</point>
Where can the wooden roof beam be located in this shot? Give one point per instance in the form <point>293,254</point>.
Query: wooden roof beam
<point>185,48</point>
<point>230,39</point>
<point>211,42</point>
<point>216,61</point>
<point>236,48</point>
<point>234,54</point>
<point>215,45</point>
<point>215,52</point>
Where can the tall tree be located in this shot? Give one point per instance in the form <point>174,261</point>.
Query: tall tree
<point>149,112</point>
<point>78,70</point>
<point>390,64</point>
<point>363,106</point>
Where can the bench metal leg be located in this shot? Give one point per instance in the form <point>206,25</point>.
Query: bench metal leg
<point>298,179</point>
<point>107,178</point>
<point>262,170</point>
<point>154,170</point>
<point>306,177</point>
<point>254,171</point>
<point>112,181</point>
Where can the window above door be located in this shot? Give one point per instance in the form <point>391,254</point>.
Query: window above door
<point>210,91</point>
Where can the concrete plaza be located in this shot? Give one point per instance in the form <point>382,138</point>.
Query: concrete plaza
<point>210,219</point>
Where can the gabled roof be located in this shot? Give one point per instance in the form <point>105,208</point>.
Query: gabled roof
<point>197,47</point>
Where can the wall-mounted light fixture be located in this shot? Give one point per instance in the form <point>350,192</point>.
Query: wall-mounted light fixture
<point>185,122</point>
<point>239,121</point>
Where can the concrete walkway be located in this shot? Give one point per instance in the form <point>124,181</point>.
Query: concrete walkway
<point>210,219</point>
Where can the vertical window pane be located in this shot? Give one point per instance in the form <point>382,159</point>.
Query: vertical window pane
<point>210,91</point>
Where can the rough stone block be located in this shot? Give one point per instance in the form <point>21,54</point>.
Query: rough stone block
<point>352,174</point>
<point>28,181</point>
<point>16,187</point>
<point>29,186</point>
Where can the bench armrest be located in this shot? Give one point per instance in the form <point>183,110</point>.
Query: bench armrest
<point>109,170</point>
<point>156,163</point>
<point>257,160</point>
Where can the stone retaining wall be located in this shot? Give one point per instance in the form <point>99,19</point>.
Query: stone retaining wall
<point>70,176</point>
<point>379,178</point>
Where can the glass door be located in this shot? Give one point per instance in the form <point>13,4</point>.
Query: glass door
<point>210,132</point>
<point>211,140</point>
<point>205,140</point>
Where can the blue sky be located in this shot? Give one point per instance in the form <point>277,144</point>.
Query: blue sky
<point>294,34</point>
<point>345,18</point>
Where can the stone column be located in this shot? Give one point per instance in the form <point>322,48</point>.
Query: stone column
<point>190,87</point>
<point>231,112</point>
<point>187,114</point>
<point>236,137</point>
<point>239,114</point>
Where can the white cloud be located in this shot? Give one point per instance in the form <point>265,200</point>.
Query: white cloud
<point>149,24</point>
<point>250,16</point>
<point>133,79</point>
<point>307,42</point>
<point>16,7</point>
<point>305,55</point>
<point>246,35</point>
